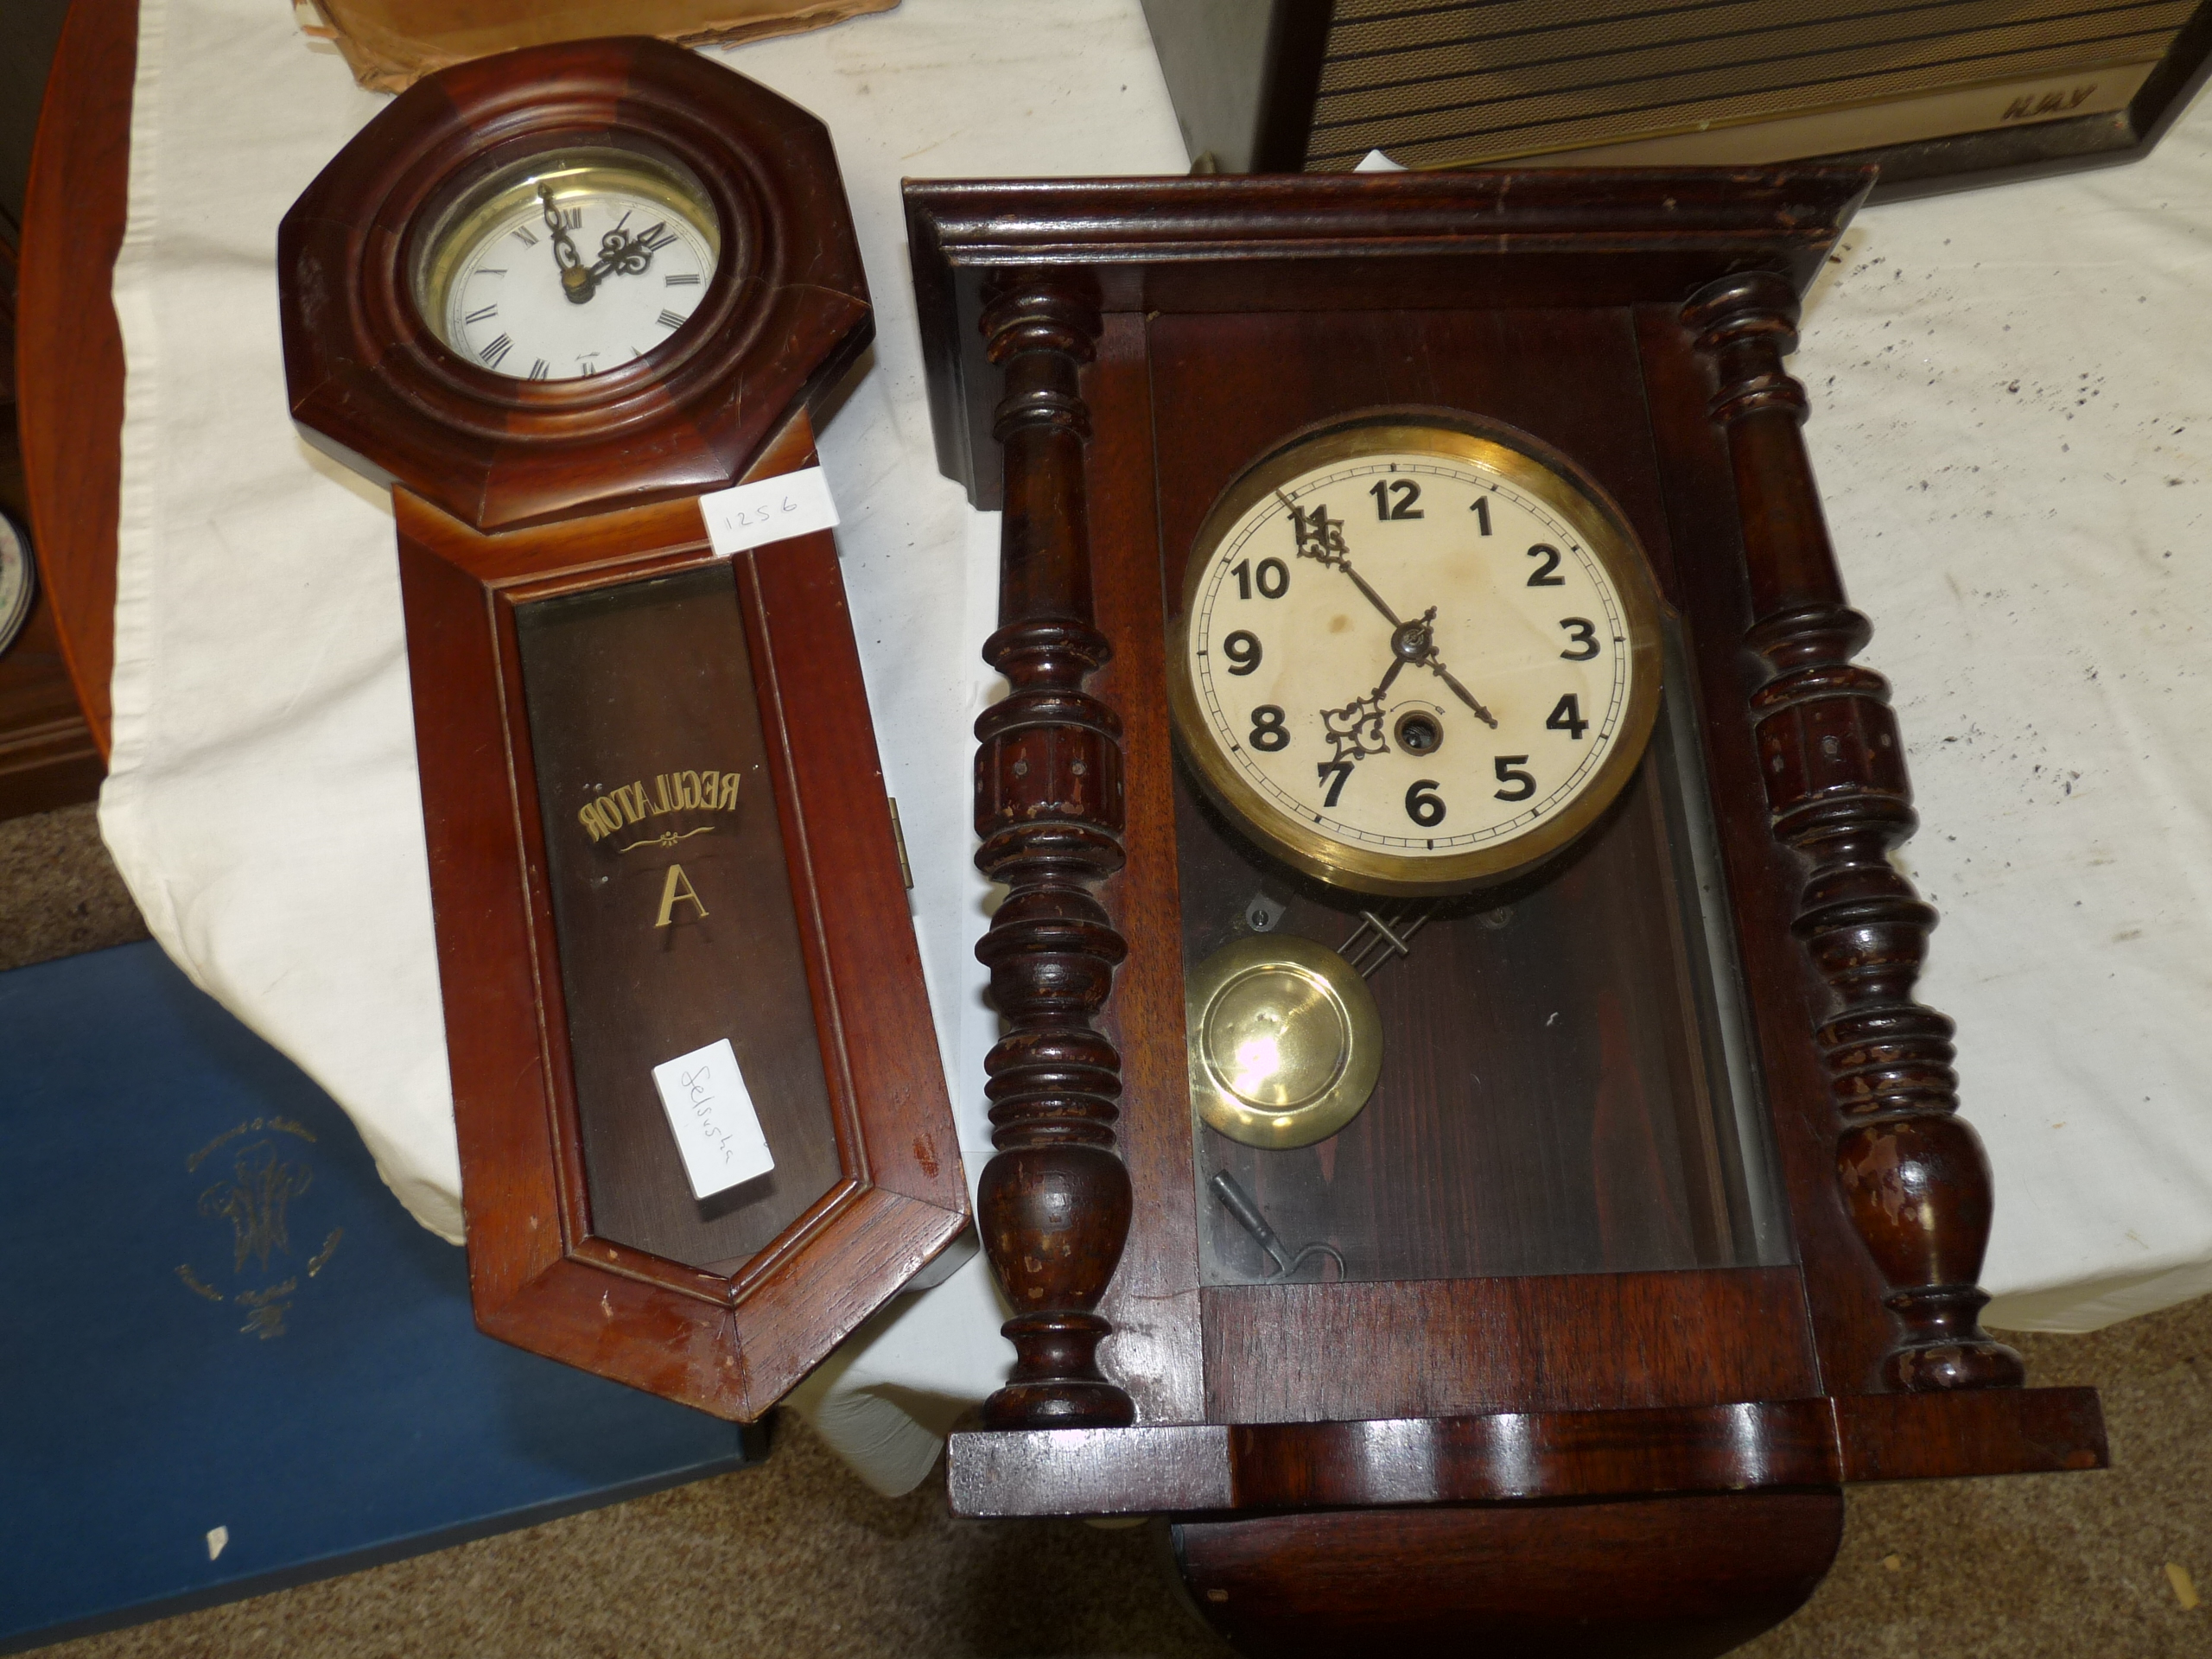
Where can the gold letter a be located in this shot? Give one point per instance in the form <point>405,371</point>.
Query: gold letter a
<point>673,891</point>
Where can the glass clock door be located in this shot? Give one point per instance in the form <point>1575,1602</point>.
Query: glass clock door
<point>1562,1085</point>
<point>672,905</point>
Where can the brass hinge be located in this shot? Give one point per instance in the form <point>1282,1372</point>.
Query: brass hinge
<point>899,834</point>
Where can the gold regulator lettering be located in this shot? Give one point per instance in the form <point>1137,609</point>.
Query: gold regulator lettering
<point>633,803</point>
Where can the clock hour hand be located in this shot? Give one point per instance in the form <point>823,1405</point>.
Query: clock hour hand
<point>629,255</point>
<point>1354,732</point>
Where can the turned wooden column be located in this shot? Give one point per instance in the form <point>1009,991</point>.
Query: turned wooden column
<point>1054,1203</point>
<point>1913,1176</point>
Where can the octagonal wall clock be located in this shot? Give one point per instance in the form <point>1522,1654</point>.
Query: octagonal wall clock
<point>1468,1153</point>
<point>552,298</point>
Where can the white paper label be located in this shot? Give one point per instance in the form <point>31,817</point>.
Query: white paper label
<point>716,1128</point>
<point>752,515</point>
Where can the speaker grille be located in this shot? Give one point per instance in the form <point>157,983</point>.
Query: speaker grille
<point>1461,82</point>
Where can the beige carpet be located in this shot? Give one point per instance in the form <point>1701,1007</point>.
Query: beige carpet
<point>798,1558</point>
<point>58,893</point>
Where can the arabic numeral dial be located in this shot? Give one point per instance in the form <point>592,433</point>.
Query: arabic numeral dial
<point>1243,651</point>
<point>1413,660</point>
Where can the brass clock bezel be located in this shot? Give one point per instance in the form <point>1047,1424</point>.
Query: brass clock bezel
<point>453,228</point>
<point>1527,465</point>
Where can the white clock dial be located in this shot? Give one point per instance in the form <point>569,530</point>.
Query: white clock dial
<point>1414,658</point>
<point>570,266</point>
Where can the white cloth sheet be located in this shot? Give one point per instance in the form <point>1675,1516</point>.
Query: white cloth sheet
<point>2012,426</point>
<point>2015,446</point>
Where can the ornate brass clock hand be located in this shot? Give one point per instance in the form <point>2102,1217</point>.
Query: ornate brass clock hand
<point>619,251</point>
<point>1322,538</point>
<point>577,281</point>
<point>1353,733</point>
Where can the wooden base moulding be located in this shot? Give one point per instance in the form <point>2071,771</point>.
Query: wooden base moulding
<point>1632,1579</point>
<point>1196,1469</point>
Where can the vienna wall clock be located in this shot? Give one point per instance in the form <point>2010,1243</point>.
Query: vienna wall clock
<point>552,298</point>
<point>1468,1150</point>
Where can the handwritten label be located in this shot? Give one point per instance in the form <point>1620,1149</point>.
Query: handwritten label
<point>716,1128</point>
<point>773,510</point>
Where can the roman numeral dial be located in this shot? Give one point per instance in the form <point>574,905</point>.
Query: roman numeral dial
<point>571,265</point>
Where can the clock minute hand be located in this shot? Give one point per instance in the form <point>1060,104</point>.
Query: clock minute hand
<point>1373,598</point>
<point>577,280</point>
<point>1415,642</point>
<point>1465,695</point>
<point>1322,538</point>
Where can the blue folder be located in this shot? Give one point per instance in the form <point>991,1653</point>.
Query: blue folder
<point>229,1361</point>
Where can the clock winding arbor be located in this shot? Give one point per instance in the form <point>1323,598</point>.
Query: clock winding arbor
<point>1660,1223</point>
<point>655,814</point>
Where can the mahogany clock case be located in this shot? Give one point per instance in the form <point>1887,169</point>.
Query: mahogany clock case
<point>784,315</point>
<point>655,812</point>
<point>1105,357</point>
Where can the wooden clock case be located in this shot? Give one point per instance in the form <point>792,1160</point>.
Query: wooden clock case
<point>1557,1462</point>
<point>511,494</point>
